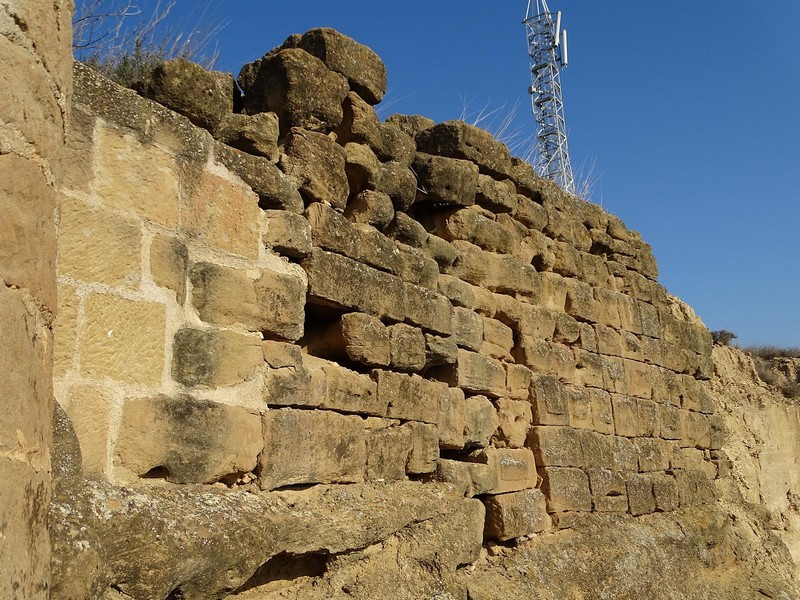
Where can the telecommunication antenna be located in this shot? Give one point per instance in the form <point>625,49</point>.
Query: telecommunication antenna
<point>547,49</point>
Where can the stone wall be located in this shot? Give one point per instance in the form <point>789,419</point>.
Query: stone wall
<point>35,74</point>
<point>279,290</point>
<point>299,294</point>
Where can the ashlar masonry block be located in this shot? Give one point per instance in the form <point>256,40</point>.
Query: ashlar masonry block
<point>566,489</point>
<point>409,397</point>
<point>609,491</point>
<point>476,373</point>
<point>135,178</point>
<point>515,468</point>
<point>424,452</point>
<point>213,357</point>
<point>306,447</point>
<point>123,339</point>
<point>556,446</point>
<point>516,514</point>
<point>548,400</point>
<point>221,214</point>
<point>468,479</point>
<point>514,421</point>
<point>387,453</point>
<point>480,421</point>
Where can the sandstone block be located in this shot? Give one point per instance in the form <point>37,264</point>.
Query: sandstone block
<point>135,178</point>
<point>556,446</point>
<point>123,339</point>
<point>214,358</point>
<point>273,302</point>
<point>475,373</point>
<point>337,281</point>
<point>567,330</point>
<point>187,88</point>
<point>654,454</point>
<point>579,407</point>
<point>169,264</point>
<point>344,390</point>
<point>694,487</point>
<point>518,381</point>
<point>566,489</point>
<point>424,452</point>
<point>115,241</point>
<point>396,145</point>
<point>624,454</point>
<point>580,301</point>
<point>427,309</point>
<point>665,492</point>
<point>411,124</point>
<point>548,401</point>
<point>363,171</point>
<point>304,447</point>
<point>452,422</point>
<point>360,124</point>
<point>496,196</point>
<point>602,411</point>
<point>609,491</point>
<point>515,468</point>
<point>186,440</point>
<point>287,233</point>
<point>468,479</point>
<point>471,226</point>
<point>626,415</point>
<point>440,351</point>
<point>407,347</point>
<point>316,166</point>
<point>649,425</point>
<point>65,330</point>
<point>387,453</point>
<point>554,291</point>
<point>696,429</point>
<point>90,409</point>
<point>514,421</point>
<point>498,273</point>
<point>221,214</point>
<point>498,334</point>
<point>275,190</point>
<point>457,139</point>
<point>354,336</point>
<point>364,70</point>
<point>480,421</point>
<point>296,86</point>
<point>640,494</point>
<point>372,207</point>
<point>286,380</point>
<point>467,328</point>
<point>409,397</point>
<point>399,183</point>
<point>670,419</point>
<point>516,514</point>
<point>416,267</point>
<point>254,134</point>
<point>459,293</point>
<point>446,180</point>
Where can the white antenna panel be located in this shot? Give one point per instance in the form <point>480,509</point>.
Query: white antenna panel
<point>564,51</point>
<point>558,28</point>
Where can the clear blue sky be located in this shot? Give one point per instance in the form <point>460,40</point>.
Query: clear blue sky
<point>689,111</point>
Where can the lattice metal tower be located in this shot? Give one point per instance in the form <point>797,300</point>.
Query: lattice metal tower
<point>547,49</point>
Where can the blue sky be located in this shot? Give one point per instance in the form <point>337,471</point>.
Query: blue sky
<point>689,113</point>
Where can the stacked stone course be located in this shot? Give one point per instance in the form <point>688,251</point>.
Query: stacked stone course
<point>302,294</point>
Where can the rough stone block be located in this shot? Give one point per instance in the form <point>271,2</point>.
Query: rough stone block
<point>372,207</point>
<point>609,491</point>
<point>344,390</point>
<point>354,336</point>
<point>169,264</point>
<point>446,180</point>
<point>640,494</point>
<point>427,309</point>
<point>498,334</point>
<point>468,479</point>
<point>649,424</point>
<point>65,330</point>
<point>364,70</point>
<point>360,125</point>
<point>254,134</point>
<point>626,415</point>
<point>480,421</point>
<point>440,351</point>
<point>475,373</point>
<point>214,358</point>
<point>549,404</point>
<point>275,190</point>
<point>410,397</point>
<point>185,440</point>
<point>202,96</point>
<point>579,407</point>
<point>624,454</point>
<point>467,328</point>
<point>496,196</point>
<point>696,429</point>
<point>457,139</point>
<point>304,447</point>
<point>268,301</point>
<point>424,452</point>
<point>654,454</point>
<point>398,181</point>
<point>518,381</point>
<point>665,492</point>
<point>123,339</point>
<point>602,411</point>
<point>296,86</point>
<point>452,420</point>
<point>411,124</point>
<point>115,241</point>
<point>580,301</point>
<point>337,281</point>
<point>499,273</point>
<point>387,453</point>
<point>407,347</point>
<point>514,421</point>
<point>138,179</point>
<point>316,166</point>
<point>459,293</point>
<point>90,410</point>
<point>287,233</point>
<point>516,514</point>
<point>286,381</point>
<point>515,468</point>
<point>471,226</point>
<point>556,446</point>
<point>566,489</point>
